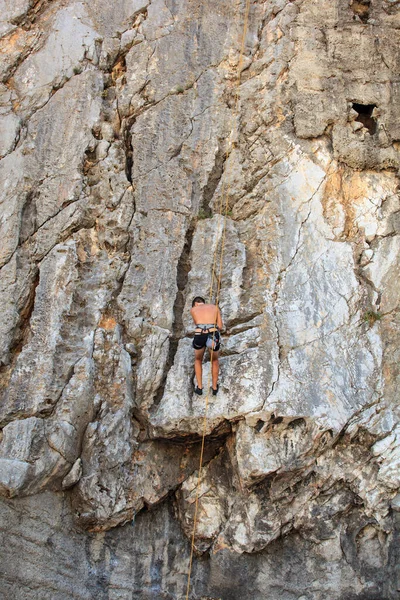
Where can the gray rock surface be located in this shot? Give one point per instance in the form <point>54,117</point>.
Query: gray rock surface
<point>47,557</point>
<point>123,143</point>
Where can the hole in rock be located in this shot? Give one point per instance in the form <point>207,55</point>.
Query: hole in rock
<point>297,423</point>
<point>326,436</point>
<point>276,420</point>
<point>259,425</point>
<point>365,117</point>
<point>360,9</point>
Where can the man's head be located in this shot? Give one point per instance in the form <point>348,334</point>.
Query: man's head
<point>198,300</point>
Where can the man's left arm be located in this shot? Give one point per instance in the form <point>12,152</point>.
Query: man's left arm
<point>219,320</point>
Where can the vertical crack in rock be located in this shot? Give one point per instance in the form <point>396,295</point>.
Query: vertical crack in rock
<point>116,79</point>
<point>205,210</point>
<point>27,310</point>
<point>278,341</point>
<point>28,216</point>
<point>22,329</point>
<point>281,353</point>
<point>127,139</point>
<point>182,274</point>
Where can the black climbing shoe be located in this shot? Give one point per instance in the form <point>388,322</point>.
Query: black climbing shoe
<point>215,392</point>
<point>198,391</point>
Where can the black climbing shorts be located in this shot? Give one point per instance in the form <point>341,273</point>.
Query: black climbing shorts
<point>205,340</point>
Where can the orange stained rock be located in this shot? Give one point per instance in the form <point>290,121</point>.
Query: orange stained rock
<point>345,194</point>
<point>10,43</point>
<point>107,322</point>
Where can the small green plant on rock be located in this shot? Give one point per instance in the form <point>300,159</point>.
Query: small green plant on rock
<point>371,317</point>
<point>202,214</point>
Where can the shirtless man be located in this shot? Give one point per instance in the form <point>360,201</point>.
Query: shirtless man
<point>208,321</point>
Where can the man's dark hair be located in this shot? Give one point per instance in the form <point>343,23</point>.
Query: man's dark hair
<point>198,299</point>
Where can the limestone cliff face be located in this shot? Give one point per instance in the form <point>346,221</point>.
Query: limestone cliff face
<point>120,140</point>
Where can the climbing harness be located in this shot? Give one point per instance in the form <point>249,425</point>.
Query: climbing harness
<point>223,210</point>
<point>207,336</point>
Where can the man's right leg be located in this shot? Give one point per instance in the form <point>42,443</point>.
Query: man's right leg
<point>198,366</point>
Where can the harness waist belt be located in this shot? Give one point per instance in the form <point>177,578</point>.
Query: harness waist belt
<point>207,328</point>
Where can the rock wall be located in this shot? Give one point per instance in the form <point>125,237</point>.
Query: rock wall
<point>148,558</point>
<point>122,144</point>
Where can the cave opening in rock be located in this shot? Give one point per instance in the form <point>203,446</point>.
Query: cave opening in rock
<point>360,9</point>
<point>364,116</point>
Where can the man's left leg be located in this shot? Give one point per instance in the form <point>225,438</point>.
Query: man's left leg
<point>198,367</point>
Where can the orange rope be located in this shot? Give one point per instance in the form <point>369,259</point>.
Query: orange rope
<point>224,193</point>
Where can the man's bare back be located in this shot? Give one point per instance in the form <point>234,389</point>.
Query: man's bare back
<point>204,314</point>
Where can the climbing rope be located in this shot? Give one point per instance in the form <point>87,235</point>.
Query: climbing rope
<point>223,209</point>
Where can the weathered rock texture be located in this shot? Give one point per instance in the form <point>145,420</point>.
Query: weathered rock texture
<point>122,144</point>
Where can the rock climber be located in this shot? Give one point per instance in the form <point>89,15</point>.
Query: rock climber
<point>208,321</point>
